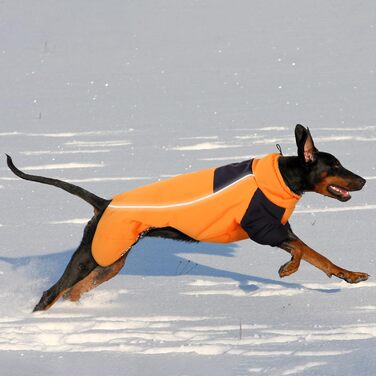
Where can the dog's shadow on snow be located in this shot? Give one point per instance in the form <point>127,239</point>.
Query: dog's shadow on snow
<point>158,257</point>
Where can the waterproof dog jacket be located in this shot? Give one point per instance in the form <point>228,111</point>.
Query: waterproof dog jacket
<point>220,205</point>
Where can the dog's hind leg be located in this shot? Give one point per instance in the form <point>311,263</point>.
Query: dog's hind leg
<point>98,276</point>
<point>80,266</point>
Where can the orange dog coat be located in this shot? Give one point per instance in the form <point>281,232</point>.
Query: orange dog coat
<point>220,205</point>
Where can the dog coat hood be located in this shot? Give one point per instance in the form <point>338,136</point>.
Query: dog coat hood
<point>242,200</point>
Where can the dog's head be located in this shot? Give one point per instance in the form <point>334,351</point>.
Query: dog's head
<point>324,173</point>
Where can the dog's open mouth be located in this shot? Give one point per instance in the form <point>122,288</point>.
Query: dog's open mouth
<point>340,193</point>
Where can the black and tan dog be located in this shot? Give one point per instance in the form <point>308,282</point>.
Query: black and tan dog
<point>251,199</point>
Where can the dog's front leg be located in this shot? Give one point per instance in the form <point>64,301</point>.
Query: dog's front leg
<point>299,250</point>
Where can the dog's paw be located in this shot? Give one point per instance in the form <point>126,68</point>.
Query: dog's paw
<point>288,269</point>
<point>48,298</point>
<point>42,305</point>
<point>353,277</point>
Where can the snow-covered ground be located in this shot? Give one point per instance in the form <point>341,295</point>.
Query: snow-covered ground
<point>111,95</point>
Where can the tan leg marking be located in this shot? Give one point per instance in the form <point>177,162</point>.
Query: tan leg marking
<point>299,250</point>
<point>95,278</point>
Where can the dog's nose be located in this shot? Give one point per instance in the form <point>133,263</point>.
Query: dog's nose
<point>362,182</point>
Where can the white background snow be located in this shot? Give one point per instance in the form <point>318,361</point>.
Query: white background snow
<point>114,94</point>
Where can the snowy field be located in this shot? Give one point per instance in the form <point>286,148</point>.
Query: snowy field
<point>112,95</point>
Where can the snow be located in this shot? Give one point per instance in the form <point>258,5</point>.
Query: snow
<point>112,95</point>
<point>60,166</point>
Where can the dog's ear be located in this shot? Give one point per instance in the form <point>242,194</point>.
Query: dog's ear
<point>304,142</point>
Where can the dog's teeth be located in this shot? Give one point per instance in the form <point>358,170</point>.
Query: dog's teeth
<point>339,190</point>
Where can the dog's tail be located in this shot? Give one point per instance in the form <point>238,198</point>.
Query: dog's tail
<point>89,197</point>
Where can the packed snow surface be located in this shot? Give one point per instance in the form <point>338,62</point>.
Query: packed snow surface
<point>113,95</point>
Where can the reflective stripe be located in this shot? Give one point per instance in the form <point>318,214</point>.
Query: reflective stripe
<point>187,203</point>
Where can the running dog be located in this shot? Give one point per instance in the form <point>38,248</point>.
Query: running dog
<point>251,199</point>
